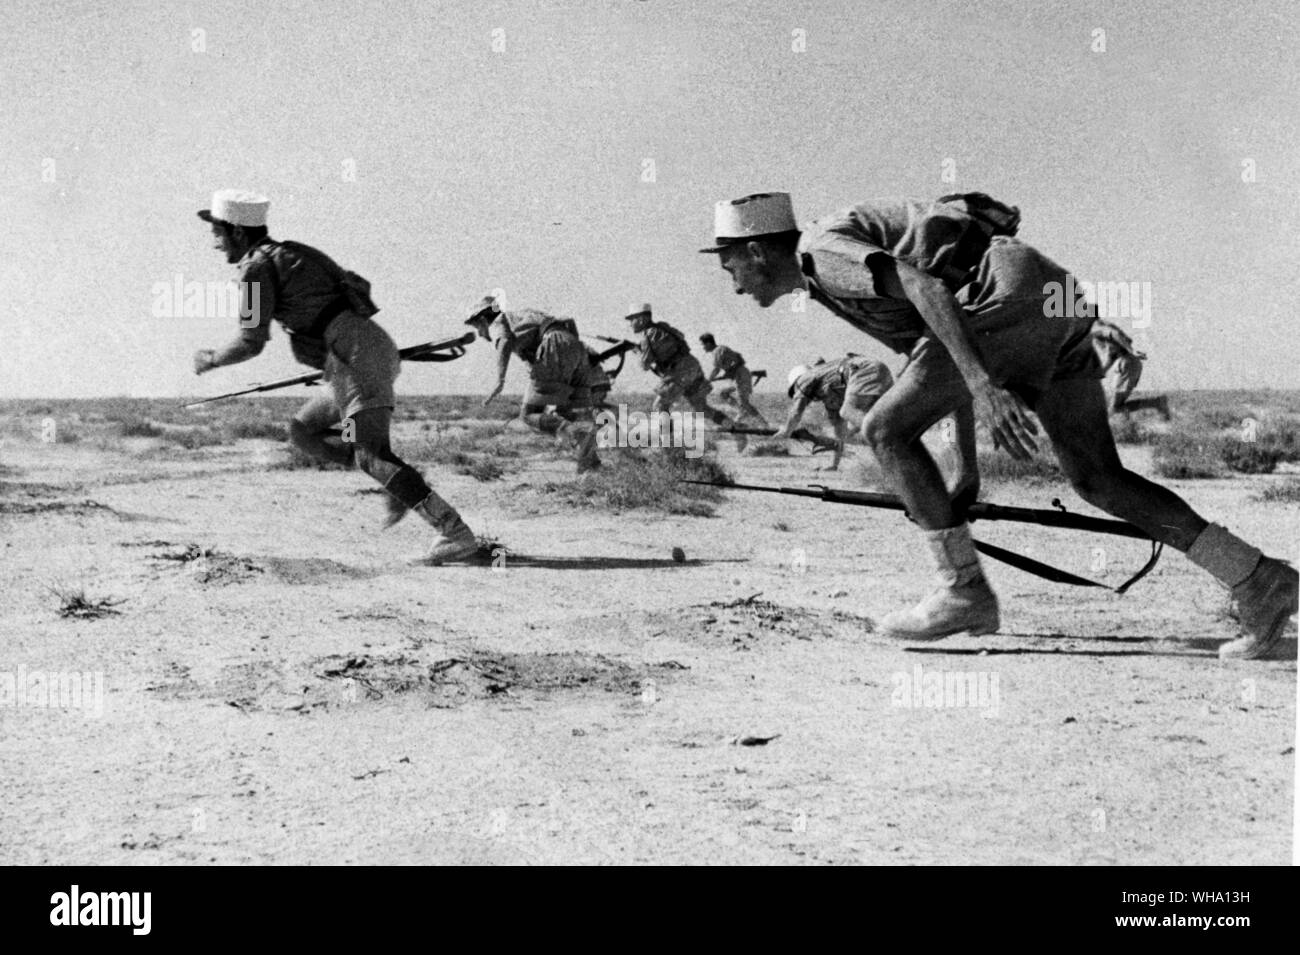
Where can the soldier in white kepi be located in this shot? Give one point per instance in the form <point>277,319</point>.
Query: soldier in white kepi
<point>665,354</point>
<point>560,372</point>
<point>327,312</point>
<point>948,284</point>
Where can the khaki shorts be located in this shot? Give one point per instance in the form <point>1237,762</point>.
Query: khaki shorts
<point>1023,348</point>
<point>361,366</point>
<point>684,380</point>
<point>561,375</point>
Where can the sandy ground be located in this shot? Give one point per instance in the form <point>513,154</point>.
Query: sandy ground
<point>302,695</point>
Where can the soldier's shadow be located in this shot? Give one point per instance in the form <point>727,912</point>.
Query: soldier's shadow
<point>607,563</point>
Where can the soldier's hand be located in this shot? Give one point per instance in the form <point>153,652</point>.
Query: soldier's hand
<point>1007,419</point>
<point>203,361</point>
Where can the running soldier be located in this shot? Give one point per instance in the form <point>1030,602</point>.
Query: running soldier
<point>327,313</point>
<point>855,381</point>
<point>1116,352</point>
<point>560,373</point>
<point>664,353</point>
<point>728,364</point>
<point>947,283</point>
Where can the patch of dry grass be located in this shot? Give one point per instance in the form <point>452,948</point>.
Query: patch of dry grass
<point>649,480</point>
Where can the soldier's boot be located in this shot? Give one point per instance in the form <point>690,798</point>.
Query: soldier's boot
<point>456,542</point>
<point>962,603</point>
<point>1162,406</point>
<point>1264,589</point>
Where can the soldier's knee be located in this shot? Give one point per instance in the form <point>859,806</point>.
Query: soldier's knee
<point>1098,486</point>
<point>881,432</point>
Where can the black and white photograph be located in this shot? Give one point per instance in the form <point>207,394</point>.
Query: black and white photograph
<point>650,433</point>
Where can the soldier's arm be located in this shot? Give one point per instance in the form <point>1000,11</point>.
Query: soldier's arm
<point>505,347</point>
<point>1002,411</point>
<point>256,308</point>
<point>797,409</point>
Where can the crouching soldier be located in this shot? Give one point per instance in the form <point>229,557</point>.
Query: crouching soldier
<point>854,382</point>
<point>948,283</point>
<point>729,364</point>
<point>665,354</point>
<point>560,372</point>
<point>327,314</point>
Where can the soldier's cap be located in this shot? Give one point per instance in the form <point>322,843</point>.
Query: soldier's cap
<point>638,309</point>
<point>237,207</point>
<point>708,339</point>
<point>485,310</point>
<point>757,216</point>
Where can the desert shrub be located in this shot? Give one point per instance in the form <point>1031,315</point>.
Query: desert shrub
<point>998,467</point>
<point>1284,493</point>
<point>66,434</point>
<point>191,439</point>
<point>138,428</point>
<point>1188,456</point>
<point>1127,430</point>
<point>649,480</point>
<point>257,428</point>
<point>482,468</point>
<point>1251,457</point>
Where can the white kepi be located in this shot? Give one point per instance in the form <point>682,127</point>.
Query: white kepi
<point>238,207</point>
<point>764,213</point>
<point>638,308</point>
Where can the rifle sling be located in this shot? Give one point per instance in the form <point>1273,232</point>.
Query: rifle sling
<point>1056,575</point>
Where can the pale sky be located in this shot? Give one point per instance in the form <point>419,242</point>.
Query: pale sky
<point>508,145</point>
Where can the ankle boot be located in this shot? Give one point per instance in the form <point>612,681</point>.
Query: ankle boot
<point>1264,589</point>
<point>456,542</point>
<point>962,603</point>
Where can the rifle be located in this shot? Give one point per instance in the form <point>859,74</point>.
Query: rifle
<point>757,376</point>
<point>988,512</point>
<point>819,443</point>
<point>619,351</point>
<point>446,350</point>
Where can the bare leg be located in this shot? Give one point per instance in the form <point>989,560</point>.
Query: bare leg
<point>1073,414</point>
<point>314,430</point>
<point>893,429</point>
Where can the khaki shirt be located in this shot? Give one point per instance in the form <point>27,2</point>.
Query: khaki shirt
<point>727,360</point>
<point>524,328</point>
<point>837,254</point>
<point>289,282</point>
<point>661,349</point>
<point>828,382</point>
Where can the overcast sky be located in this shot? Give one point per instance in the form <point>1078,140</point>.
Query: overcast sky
<point>570,153</point>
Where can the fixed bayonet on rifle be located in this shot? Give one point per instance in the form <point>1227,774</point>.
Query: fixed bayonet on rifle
<point>446,350</point>
<point>987,512</point>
